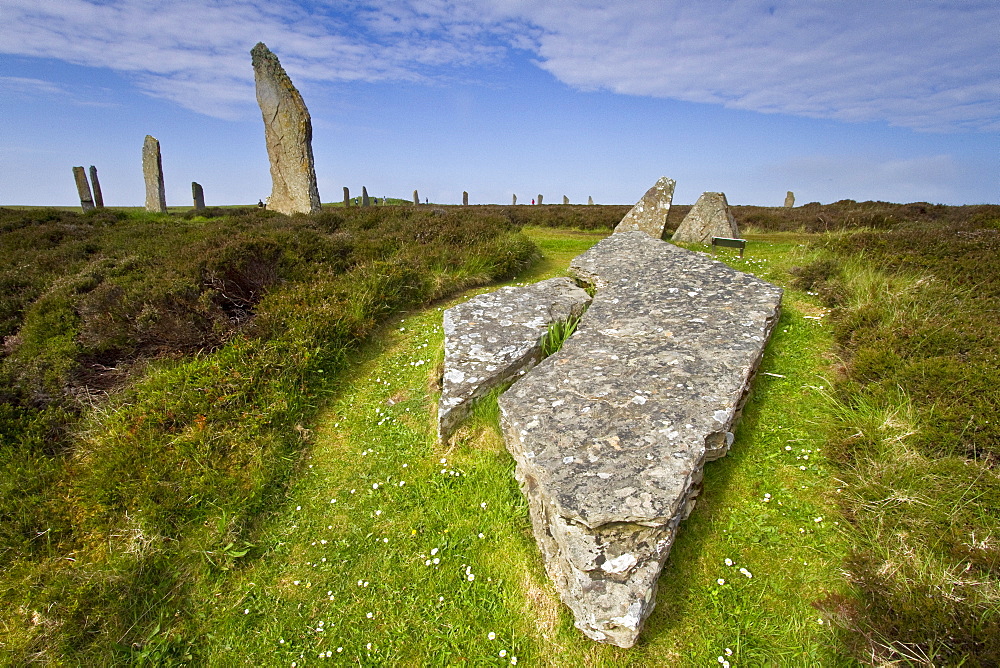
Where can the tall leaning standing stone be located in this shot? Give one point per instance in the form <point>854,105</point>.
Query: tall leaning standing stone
<point>98,195</point>
<point>83,189</point>
<point>709,217</point>
<point>288,134</point>
<point>152,173</point>
<point>649,214</point>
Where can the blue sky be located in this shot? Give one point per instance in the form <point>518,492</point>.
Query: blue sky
<point>897,100</point>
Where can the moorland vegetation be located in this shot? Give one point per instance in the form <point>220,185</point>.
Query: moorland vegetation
<point>161,375</point>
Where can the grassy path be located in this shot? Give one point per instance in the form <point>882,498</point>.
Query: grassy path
<point>394,551</point>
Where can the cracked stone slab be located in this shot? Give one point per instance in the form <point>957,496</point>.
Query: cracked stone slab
<point>495,337</point>
<point>649,214</point>
<point>611,433</point>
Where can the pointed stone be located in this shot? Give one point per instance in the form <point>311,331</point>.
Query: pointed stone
<point>98,195</point>
<point>611,433</point>
<point>198,195</point>
<point>649,214</point>
<point>709,217</point>
<point>590,201</point>
<point>83,189</point>
<point>465,198</point>
<point>565,199</point>
<point>496,337</point>
<point>416,198</point>
<point>152,173</point>
<point>789,200</point>
<point>365,200</point>
<point>288,134</point>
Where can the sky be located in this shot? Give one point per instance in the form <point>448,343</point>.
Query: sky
<point>896,100</point>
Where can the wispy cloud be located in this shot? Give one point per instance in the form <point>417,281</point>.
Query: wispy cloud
<point>927,66</point>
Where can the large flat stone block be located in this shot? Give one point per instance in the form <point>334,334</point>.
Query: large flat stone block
<point>611,433</point>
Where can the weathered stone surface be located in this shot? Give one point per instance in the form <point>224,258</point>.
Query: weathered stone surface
<point>495,337</point>
<point>465,198</point>
<point>198,195</point>
<point>152,173</point>
<point>416,197</point>
<point>649,214</point>
<point>347,196</point>
<point>611,433</point>
<point>590,201</point>
<point>514,200</point>
<point>96,184</point>
<point>365,200</point>
<point>288,134</point>
<point>83,189</point>
<point>539,198</point>
<point>565,199</point>
<point>709,217</point>
<point>789,200</point>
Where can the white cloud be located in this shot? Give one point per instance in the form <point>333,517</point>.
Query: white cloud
<point>927,66</point>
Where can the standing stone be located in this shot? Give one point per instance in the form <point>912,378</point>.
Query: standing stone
<point>365,201</point>
<point>649,214</point>
<point>465,198</point>
<point>565,199</point>
<point>83,188</point>
<point>789,200</point>
<point>98,196</point>
<point>539,199</point>
<point>514,200</point>
<point>152,172</point>
<point>590,201</point>
<point>416,198</point>
<point>709,217</point>
<point>288,134</point>
<point>347,196</point>
<point>198,194</point>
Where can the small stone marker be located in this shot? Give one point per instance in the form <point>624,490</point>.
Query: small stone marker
<point>611,433</point>
<point>198,195</point>
<point>539,199</point>
<point>365,201</point>
<point>98,195</point>
<point>288,135</point>
<point>789,200</point>
<point>709,217</point>
<point>152,173</point>
<point>649,214</point>
<point>514,200</point>
<point>83,189</point>
<point>565,199</point>
<point>590,201</point>
<point>416,198</point>
<point>347,196</point>
<point>465,198</point>
<point>495,337</point>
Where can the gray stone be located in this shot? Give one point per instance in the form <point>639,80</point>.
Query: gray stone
<point>514,200</point>
<point>789,200</point>
<point>83,189</point>
<point>416,198</point>
<point>709,217</point>
<point>347,196</point>
<point>611,433</point>
<point>288,135</point>
<point>198,195</point>
<point>565,199</point>
<point>465,198</point>
<point>495,337</point>
<point>649,214</point>
<point>539,198</point>
<point>590,200</point>
<point>152,173</point>
<point>365,200</point>
<point>96,184</point>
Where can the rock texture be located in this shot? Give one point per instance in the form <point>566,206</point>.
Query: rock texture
<point>649,214</point>
<point>789,200</point>
<point>96,184</point>
<point>288,134</point>
<point>198,195</point>
<point>565,199</point>
<point>365,200</point>
<point>152,173</point>
<point>709,217</point>
<point>514,200</point>
<point>539,198</point>
<point>465,198</point>
<point>347,196</point>
<point>590,200</point>
<point>416,198</point>
<point>610,434</point>
<point>497,336</point>
<point>83,189</point>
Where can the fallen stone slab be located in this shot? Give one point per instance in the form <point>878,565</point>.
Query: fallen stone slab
<point>611,433</point>
<point>494,337</point>
<point>649,214</point>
